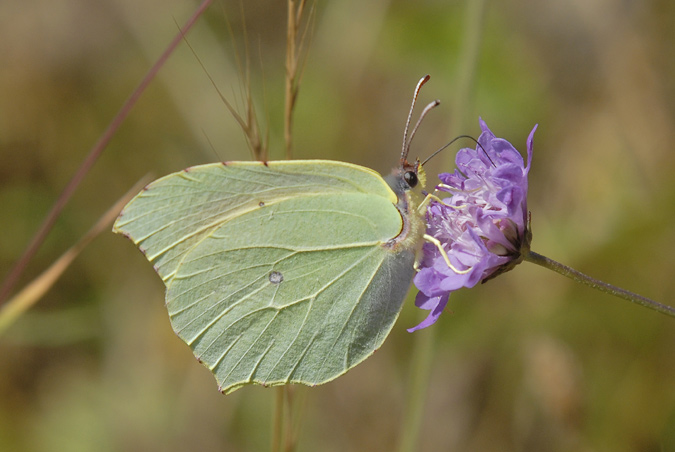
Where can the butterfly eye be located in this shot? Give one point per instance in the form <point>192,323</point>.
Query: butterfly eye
<point>410,177</point>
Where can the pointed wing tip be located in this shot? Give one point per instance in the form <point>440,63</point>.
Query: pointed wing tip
<point>118,228</point>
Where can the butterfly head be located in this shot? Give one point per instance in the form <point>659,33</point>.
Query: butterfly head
<point>409,175</point>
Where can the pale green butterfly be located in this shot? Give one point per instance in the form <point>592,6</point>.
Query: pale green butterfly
<point>283,271</point>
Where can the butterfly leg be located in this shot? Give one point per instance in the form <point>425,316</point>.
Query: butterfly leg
<point>438,245</point>
<point>432,197</point>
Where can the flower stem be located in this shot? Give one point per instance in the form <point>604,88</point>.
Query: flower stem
<point>597,284</point>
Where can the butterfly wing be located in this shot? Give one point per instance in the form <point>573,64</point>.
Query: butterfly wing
<point>276,273</point>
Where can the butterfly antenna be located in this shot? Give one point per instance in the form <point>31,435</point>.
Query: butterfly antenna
<point>426,110</point>
<point>452,141</point>
<point>406,142</point>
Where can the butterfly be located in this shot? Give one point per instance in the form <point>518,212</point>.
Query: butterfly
<point>282,271</point>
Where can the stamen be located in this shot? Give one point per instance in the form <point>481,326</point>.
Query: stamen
<point>455,190</point>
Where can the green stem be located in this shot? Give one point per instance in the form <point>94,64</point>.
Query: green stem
<point>597,284</point>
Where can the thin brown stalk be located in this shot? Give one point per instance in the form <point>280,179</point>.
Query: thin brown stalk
<point>278,418</point>
<point>295,61</point>
<point>95,152</point>
<point>290,438</point>
<point>248,123</point>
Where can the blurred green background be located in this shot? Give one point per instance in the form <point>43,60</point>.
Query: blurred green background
<point>528,362</point>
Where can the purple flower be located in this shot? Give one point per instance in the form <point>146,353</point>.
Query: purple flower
<point>482,226</point>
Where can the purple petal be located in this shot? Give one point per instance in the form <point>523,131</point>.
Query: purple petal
<point>435,305</point>
<point>530,141</point>
<point>428,281</point>
<point>509,173</point>
<point>506,152</point>
<point>454,282</point>
<point>487,133</point>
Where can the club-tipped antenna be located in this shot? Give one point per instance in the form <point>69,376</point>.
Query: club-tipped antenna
<point>406,141</point>
<point>452,141</point>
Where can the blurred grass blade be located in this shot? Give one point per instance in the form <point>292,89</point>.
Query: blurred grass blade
<point>30,294</point>
<point>92,156</point>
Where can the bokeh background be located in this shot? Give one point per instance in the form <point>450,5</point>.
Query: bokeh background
<point>528,362</point>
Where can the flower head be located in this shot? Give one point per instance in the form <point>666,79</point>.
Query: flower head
<point>482,226</point>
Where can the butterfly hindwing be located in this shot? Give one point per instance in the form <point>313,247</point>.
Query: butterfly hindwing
<point>275,273</point>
